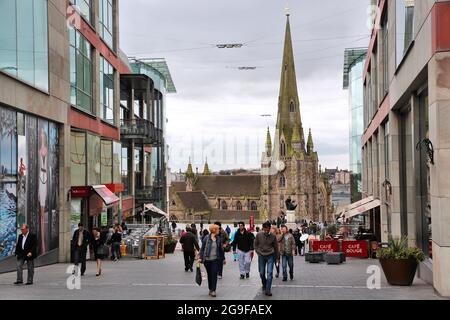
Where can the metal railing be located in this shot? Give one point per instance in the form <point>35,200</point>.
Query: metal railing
<point>139,129</point>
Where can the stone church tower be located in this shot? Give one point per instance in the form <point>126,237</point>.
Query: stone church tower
<point>289,165</point>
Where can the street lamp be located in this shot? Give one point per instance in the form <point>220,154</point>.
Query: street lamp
<point>229,45</point>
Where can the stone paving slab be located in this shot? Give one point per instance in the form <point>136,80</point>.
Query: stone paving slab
<point>131,279</point>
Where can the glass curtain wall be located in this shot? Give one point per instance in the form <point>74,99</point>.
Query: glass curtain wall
<point>24,41</point>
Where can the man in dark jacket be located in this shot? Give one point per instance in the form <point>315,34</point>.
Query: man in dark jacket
<point>26,251</point>
<point>190,244</point>
<point>266,246</point>
<point>116,241</point>
<point>243,245</point>
<point>80,240</point>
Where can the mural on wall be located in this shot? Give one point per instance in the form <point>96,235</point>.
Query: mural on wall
<point>7,219</point>
<point>53,166</point>
<point>32,186</point>
<point>8,177</point>
<point>22,180</point>
<point>29,180</point>
<point>43,183</point>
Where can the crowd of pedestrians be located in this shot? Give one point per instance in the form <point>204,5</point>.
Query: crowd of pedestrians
<point>275,246</point>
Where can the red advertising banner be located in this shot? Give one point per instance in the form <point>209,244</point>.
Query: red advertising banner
<point>358,249</point>
<point>325,246</point>
<point>252,224</point>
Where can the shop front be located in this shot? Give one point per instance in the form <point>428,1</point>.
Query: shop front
<point>94,206</point>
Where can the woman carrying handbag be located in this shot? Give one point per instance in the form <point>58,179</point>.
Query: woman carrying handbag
<point>100,249</point>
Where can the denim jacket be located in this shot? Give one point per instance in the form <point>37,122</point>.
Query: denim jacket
<point>206,248</point>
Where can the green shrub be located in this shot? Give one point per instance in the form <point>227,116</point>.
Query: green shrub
<point>398,250</point>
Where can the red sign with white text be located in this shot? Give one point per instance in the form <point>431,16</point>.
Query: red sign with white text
<point>325,246</point>
<point>358,249</point>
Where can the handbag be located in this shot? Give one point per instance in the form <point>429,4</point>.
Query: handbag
<point>198,275</point>
<point>103,250</point>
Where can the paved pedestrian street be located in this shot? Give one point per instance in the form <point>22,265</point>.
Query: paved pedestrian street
<point>166,279</point>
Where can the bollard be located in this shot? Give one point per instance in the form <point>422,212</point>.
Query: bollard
<point>123,249</point>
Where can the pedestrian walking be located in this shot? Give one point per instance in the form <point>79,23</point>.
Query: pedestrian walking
<point>235,255</point>
<point>212,256</point>
<point>205,233</point>
<point>287,249</point>
<point>80,240</point>
<point>226,247</point>
<point>228,230</point>
<point>243,244</point>
<point>26,251</point>
<point>115,241</point>
<point>297,236</point>
<point>99,248</point>
<point>174,226</point>
<point>276,232</point>
<point>189,244</point>
<point>266,247</point>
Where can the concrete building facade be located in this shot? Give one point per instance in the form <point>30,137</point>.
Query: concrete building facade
<point>406,143</point>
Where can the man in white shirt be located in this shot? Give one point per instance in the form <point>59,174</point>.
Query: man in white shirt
<point>26,251</point>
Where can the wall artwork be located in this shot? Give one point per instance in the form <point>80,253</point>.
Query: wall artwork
<point>29,180</point>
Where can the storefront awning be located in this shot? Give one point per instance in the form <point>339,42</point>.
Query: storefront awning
<point>359,207</point>
<point>107,196</point>
<point>155,209</point>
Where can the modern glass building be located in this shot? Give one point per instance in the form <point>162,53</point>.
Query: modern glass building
<point>354,60</point>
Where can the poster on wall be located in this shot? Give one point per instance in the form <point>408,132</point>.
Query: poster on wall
<point>31,181</point>
<point>7,219</point>
<point>22,180</point>
<point>53,172</point>
<point>43,182</point>
<point>8,187</point>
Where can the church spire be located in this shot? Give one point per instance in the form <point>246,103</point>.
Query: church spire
<point>189,171</point>
<point>288,101</point>
<point>268,143</point>
<point>310,145</point>
<point>206,171</point>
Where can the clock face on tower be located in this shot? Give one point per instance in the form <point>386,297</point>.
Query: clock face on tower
<point>280,165</point>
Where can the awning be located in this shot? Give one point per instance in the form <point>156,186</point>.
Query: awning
<point>155,209</point>
<point>359,207</point>
<point>107,196</point>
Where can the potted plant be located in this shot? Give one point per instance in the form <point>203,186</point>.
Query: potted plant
<point>169,244</point>
<point>399,262</point>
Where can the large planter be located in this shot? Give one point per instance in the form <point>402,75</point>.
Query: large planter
<point>399,272</point>
<point>170,248</point>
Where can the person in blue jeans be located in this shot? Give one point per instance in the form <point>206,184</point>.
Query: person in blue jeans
<point>266,246</point>
<point>212,255</point>
<point>287,250</point>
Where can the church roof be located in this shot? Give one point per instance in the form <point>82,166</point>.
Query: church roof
<point>228,215</point>
<point>194,200</point>
<point>178,186</point>
<point>237,185</point>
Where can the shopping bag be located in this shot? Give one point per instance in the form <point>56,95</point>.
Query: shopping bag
<point>198,275</point>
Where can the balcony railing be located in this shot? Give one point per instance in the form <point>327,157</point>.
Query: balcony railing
<point>141,130</point>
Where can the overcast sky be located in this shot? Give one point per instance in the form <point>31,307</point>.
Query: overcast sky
<point>217,110</point>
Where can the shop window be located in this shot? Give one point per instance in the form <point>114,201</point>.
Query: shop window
<point>239,206</point>
<point>78,158</point>
<point>254,206</point>
<point>106,162</point>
